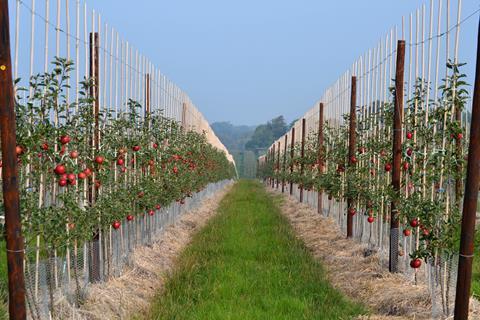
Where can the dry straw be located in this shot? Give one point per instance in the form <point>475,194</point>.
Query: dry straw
<point>356,270</point>
<point>130,294</point>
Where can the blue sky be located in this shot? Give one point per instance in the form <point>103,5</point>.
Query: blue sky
<point>249,61</point>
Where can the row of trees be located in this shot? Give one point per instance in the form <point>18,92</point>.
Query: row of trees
<point>433,165</point>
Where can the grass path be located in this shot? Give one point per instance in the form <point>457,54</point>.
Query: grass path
<point>247,264</point>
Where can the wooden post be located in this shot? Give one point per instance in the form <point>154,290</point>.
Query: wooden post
<point>397,154</point>
<point>278,162</point>
<point>11,198</point>
<point>320,162</point>
<point>267,159</point>
<point>184,117</point>
<point>272,156</point>
<point>292,154</point>
<point>95,142</point>
<point>302,154</point>
<point>467,238</point>
<point>95,89</point>
<point>284,162</point>
<point>351,149</point>
<point>147,95</point>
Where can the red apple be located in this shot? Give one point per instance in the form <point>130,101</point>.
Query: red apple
<point>129,217</point>
<point>388,167</point>
<point>407,232</point>
<point>82,175</point>
<point>62,182</point>
<point>65,139</point>
<point>415,263</point>
<point>151,212</point>
<point>414,223</point>
<point>370,219</point>
<point>44,146</point>
<point>60,169</point>
<point>158,207</point>
<point>409,135</point>
<point>116,225</point>
<point>352,211</point>
<point>120,161</point>
<point>74,154</point>
<point>99,159</point>
<point>19,150</point>
<point>155,146</point>
<point>409,152</point>
<point>136,148</point>
<point>88,172</point>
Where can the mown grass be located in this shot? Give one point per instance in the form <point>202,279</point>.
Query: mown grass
<point>476,267</point>
<point>247,264</point>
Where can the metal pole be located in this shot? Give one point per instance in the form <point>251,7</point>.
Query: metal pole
<point>351,149</point>
<point>397,153</point>
<point>302,153</point>
<point>292,154</point>
<point>284,160</point>
<point>320,155</point>
<point>469,203</point>
<point>13,229</point>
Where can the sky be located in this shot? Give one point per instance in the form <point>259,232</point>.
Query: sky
<point>249,61</point>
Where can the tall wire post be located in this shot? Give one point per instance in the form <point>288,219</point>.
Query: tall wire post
<point>351,149</point>
<point>467,237</point>
<point>292,154</point>
<point>302,154</point>
<point>272,157</point>
<point>320,154</point>
<point>278,163</point>
<point>184,116</point>
<point>13,229</point>
<point>94,93</point>
<point>397,154</point>
<point>284,162</point>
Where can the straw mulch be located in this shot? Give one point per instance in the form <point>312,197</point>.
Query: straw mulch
<point>130,294</point>
<point>358,275</point>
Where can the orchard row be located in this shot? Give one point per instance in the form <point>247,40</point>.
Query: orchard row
<point>82,172</point>
<point>432,165</point>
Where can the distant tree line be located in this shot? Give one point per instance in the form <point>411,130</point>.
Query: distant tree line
<point>246,143</point>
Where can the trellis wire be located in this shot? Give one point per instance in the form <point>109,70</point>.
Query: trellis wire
<point>122,72</point>
<point>375,73</point>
